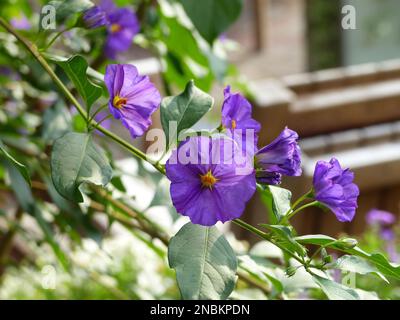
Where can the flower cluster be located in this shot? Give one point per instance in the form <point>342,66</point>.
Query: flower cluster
<point>212,178</point>
<point>281,157</point>
<point>122,25</point>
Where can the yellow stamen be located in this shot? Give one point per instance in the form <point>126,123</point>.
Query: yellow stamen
<point>119,102</point>
<point>208,180</point>
<point>233,123</point>
<point>115,27</point>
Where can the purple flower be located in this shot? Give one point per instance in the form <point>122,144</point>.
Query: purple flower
<point>21,23</point>
<point>108,6</point>
<point>5,70</point>
<point>387,234</point>
<point>384,220</point>
<point>380,218</point>
<point>236,118</point>
<point>392,251</point>
<point>133,98</point>
<point>211,185</point>
<point>281,157</point>
<point>105,122</point>
<point>334,188</point>
<point>123,25</point>
<point>95,17</point>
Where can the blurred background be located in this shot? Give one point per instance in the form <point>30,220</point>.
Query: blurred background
<point>338,88</point>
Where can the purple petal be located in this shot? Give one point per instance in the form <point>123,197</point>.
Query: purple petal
<point>226,198</point>
<point>141,97</point>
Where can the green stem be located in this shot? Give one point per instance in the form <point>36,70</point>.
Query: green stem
<point>310,204</point>
<point>36,54</point>
<point>298,201</point>
<point>56,37</point>
<point>97,112</point>
<point>102,120</point>
<point>250,228</point>
<point>265,236</point>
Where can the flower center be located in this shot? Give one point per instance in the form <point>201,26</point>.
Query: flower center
<point>208,180</point>
<point>115,27</point>
<point>119,102</point>
<point>233,124</point>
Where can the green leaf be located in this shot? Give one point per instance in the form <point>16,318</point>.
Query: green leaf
<point>358,265</point>
<point>315,239</point>
<point>384,266</point>
<point>20,187</point>
<point>76,69</point>
<point>212,17</point>
<point>75,159</point>
<point>277,202</point>
<point>204,262</point>
<point>334,290</point>
<point>185,58</point>
<point>56,122</point>
<point>284,234</point>
<point>185,110</point>
<point>19,166</point>
<point>381,263</point>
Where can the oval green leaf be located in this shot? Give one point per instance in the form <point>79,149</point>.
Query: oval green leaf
<point>358,265</point>
<point>212,17</point>
<point>76,70</point>
<point>276,200</point>
<point>204,261</point>
<point>185,110</point>
<point>75,159</point>
<point>334,290</point>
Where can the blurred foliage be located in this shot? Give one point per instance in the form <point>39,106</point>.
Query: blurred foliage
<point>324,34</point>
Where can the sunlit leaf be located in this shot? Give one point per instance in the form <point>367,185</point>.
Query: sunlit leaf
<point>204,261</point>
<point>358,265</point>
<point>334,290</point>
<point>56,122</point>
<point>276,200</point>
<point>184,110</point>
<point>75,159</point>
<point>76,69</point>
<point>212,17</point>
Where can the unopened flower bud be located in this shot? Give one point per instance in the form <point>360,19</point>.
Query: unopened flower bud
<point>328,259</point>
<point>347,243</point>
<point>94,17</point>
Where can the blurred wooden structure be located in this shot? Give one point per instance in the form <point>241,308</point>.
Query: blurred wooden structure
<point>351,113</point>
